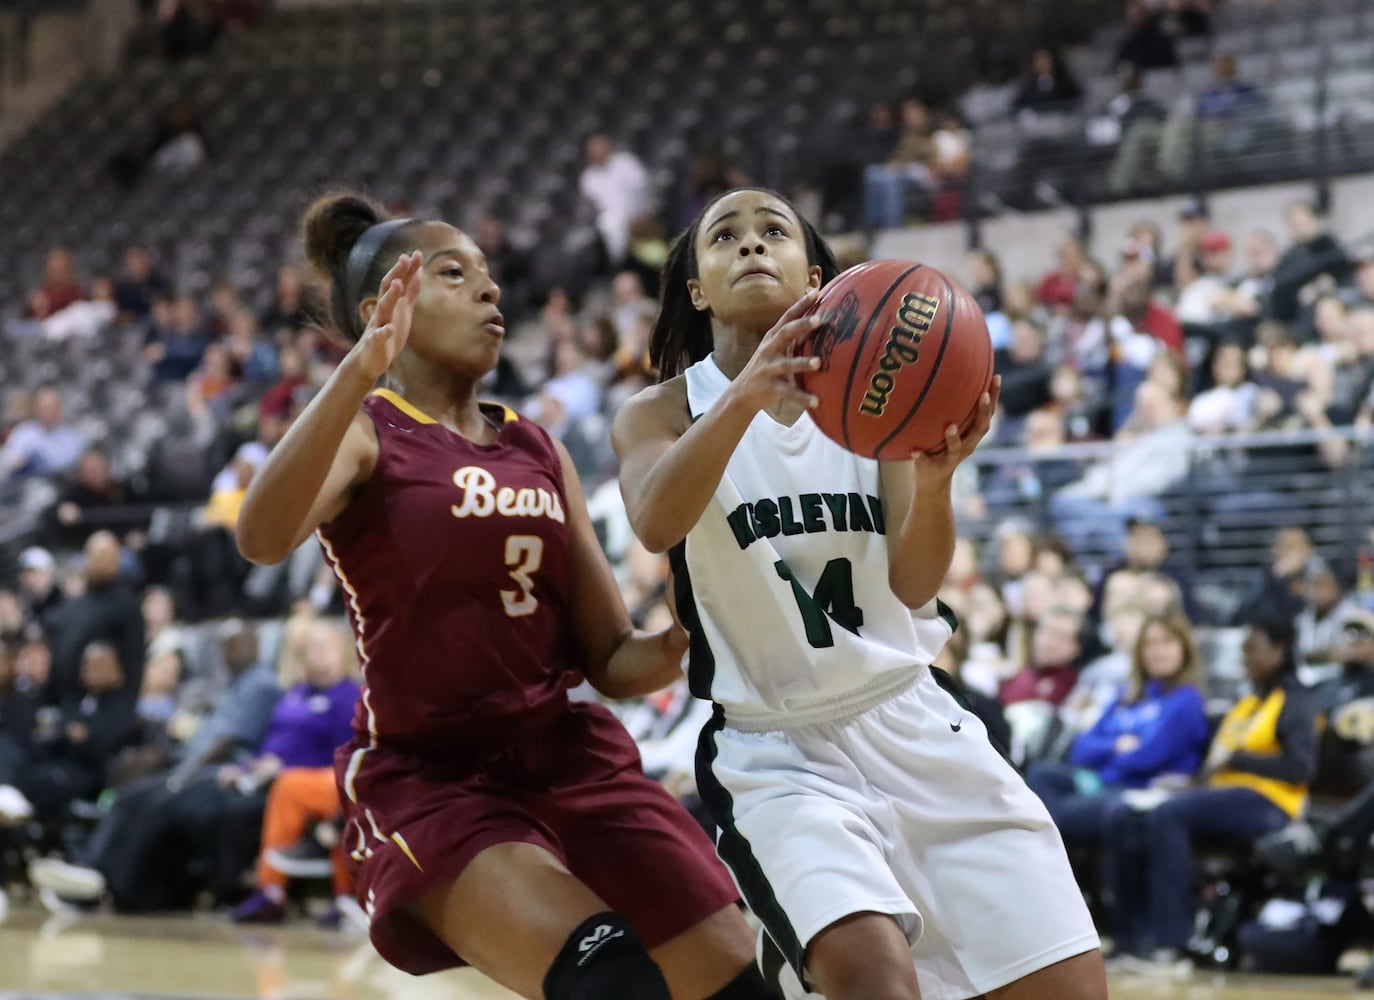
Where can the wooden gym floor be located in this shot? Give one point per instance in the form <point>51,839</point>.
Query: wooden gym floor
<point>122,958</point>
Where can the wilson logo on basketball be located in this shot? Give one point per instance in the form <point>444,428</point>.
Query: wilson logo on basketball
<point>914,318</point>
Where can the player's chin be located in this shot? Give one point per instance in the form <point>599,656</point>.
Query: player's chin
<point>760,306</point>
<point>476,363</point>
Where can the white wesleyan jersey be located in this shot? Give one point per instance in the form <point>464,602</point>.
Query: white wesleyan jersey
<point>784,579</point>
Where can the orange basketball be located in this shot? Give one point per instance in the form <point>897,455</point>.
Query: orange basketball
<point>905,354</point>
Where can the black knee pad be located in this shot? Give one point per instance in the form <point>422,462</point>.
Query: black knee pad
<point>748,985</point>
<point>604,959</point>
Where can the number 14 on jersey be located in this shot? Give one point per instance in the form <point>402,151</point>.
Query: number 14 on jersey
<point>833,600</point>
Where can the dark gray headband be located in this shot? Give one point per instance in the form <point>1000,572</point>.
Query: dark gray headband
<point>364,252</point>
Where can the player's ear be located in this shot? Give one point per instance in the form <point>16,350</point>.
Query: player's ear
<point>366,308</point>
<point>699,302</point>
<point>813,277</point>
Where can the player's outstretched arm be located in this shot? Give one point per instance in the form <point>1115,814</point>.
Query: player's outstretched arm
<point>329,451</point>
<point>916,495</point>
<point>619,661</point>
<point>669,466</point>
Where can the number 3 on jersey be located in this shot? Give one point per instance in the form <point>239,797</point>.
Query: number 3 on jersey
<point>524,553</point>
<point>833,599</point>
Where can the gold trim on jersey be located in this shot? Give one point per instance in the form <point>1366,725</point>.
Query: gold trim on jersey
<point>360,631</point>
<point>401,843</point>
<point>508,416</point>
<point>405,407</point>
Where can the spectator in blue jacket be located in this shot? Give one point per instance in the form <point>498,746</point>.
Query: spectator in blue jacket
<point>1156,730</point>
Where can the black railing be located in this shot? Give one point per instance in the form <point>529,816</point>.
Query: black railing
<point>1219,513</point>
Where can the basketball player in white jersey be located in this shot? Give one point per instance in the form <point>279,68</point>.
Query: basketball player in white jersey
<point>890,851</point>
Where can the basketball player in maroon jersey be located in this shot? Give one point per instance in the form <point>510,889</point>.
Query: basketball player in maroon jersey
<point>490,821</point>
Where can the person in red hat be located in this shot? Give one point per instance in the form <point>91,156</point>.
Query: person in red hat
<point>1207,298</point>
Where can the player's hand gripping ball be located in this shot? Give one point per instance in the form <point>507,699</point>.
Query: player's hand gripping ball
<point>905,352</point>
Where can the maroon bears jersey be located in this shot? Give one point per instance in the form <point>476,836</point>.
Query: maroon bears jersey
<point>454,562</point>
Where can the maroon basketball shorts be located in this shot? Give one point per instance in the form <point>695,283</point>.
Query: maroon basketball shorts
<point>574,786</point>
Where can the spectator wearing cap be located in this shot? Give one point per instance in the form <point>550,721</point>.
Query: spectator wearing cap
<point>44,445</point>
<point>1194,222</point>
<point>1203,302</point>
<point>38,589</point>
<point>1313,253</point>
<point>1215,307</point>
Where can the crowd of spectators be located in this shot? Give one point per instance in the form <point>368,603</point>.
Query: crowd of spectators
<point>147,769</point>
<point>1071,139</point>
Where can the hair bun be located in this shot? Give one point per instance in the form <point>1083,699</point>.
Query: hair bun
<point>333,224</point>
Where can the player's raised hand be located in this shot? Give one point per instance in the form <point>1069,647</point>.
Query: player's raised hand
<point>959,446</point>
<point>771,374</point>
<point>389,328</point>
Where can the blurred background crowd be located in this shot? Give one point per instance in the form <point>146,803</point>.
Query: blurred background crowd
<point>1166,537</point>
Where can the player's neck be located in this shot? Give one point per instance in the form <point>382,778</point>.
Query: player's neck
<point>448,398</point>
<point>733,347</point>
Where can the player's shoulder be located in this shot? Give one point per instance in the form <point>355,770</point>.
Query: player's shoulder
<point>657,408</point>
<point>521,432</point>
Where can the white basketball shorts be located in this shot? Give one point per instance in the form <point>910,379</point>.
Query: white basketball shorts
<point>903,808</point>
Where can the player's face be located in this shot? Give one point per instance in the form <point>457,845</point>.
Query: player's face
<point>457,325</point>
<point>751,260</point>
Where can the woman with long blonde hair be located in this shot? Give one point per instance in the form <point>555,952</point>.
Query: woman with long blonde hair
<point>1157,728</point>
